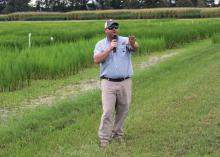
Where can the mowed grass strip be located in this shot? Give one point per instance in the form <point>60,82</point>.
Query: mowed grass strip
<point>175,112</point>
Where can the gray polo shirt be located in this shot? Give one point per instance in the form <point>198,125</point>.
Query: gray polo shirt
<point>116,65</point>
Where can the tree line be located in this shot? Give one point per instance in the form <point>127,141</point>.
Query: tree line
<point>9,6</point>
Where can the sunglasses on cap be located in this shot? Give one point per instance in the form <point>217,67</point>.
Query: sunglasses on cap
<point>113,27</point>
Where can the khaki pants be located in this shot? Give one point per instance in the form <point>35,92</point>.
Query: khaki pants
<point>116,98</point>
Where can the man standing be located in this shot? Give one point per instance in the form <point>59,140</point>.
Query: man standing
<point>113,53</point>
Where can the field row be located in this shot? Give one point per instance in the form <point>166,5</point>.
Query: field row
<point>18,66</point>
<point>117,14</point>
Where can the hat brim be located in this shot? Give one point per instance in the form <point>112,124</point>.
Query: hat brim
<point>114,23</point>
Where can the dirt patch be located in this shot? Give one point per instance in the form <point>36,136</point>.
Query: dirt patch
<point>70,91</point>
<point>155,60</point>
<point>48,100</point>
<point>63,93</point>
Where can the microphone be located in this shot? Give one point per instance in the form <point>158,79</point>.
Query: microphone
<point>115,48</point>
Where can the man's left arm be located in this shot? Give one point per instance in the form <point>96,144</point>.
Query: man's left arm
<point>132,41</point>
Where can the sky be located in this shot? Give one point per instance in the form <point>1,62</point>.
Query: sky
<point>216,1</point>
<point>32,2</point>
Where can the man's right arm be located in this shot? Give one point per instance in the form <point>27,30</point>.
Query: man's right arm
<point>100,57</point>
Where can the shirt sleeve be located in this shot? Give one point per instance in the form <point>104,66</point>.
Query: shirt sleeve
<point>98,48</point>
<point>130,48</point>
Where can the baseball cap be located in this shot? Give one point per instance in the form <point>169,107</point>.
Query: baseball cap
<point>110,22</point>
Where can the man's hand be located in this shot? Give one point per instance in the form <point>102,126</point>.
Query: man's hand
<point>113,44</point>
<point>132,42</point>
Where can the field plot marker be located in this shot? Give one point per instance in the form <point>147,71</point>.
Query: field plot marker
<point>51,39</point>
<point>29,37</point>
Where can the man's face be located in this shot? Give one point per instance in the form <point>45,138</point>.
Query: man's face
<point>112,30</point>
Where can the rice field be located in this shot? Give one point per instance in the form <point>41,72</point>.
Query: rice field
<point>71,49</point>
<point>175,104</point>
<point>174,113</point>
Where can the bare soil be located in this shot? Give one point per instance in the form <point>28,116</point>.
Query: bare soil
<point>70,91</point>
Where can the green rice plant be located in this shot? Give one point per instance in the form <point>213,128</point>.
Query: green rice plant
<point>44,63</point>
<point>36,16</point>
<point>149,45</point>
<point>216,39</point>
<point>173,32</point>
<point>16,34</point>
<point>12,41</point>
<point>10,74</point>
<point>210,13</point>
<point>188,13</point>
<point>73,44</point>
<point>4,18</point>
<point>175,111</point>
<point>42,32</point>
<point>46,18</point>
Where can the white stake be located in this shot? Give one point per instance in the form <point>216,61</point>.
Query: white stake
<point>29,37</point>
<point>51,39</point>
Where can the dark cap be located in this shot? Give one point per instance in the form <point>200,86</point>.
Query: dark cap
<point>110,22</point>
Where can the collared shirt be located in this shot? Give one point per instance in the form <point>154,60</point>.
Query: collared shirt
<point>118,64</point>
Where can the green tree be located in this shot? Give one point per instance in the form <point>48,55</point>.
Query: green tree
<point>82,4</point>
<point>16,6</point>
<point>152,3</point>
<point>201,3</point>
<point>164,3</point>
<point>211,3</point>
<point>38,4</point>
<point>194,2</point>
<point>2,5</point>
<point>106,4</point>
<point>103,4</point>
<point>184,3</point>
<point>116,4</point>
<point>74,4</point>
<point>43,5</point>
<point>132,4</point>
<point>59,5</point>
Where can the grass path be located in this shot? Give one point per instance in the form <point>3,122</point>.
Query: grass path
<point>175,112</point>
